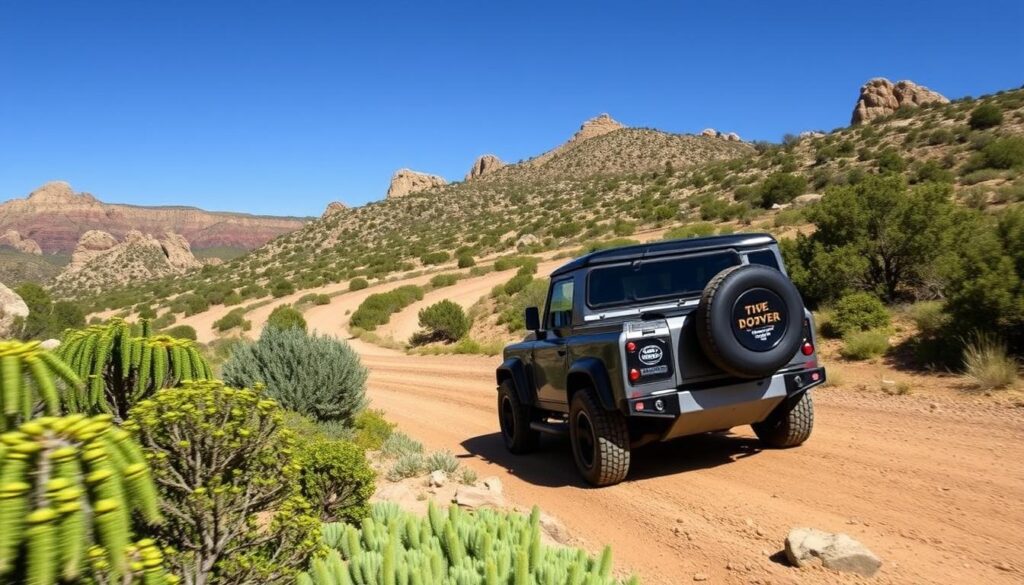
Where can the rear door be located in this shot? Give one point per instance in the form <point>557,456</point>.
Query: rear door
<point>550,357</point>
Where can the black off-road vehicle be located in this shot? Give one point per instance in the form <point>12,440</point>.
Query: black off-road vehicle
<point>656,341</point>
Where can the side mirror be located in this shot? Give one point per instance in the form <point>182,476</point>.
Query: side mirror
<point>532,319</point>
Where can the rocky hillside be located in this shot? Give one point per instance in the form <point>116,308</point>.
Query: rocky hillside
<point>53,218</point>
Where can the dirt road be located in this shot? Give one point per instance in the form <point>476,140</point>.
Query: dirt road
<point>933,488</point>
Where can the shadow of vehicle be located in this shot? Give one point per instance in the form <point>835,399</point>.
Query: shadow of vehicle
<point>552,464</point>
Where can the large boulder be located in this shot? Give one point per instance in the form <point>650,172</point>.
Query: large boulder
<point>333,208</point>
<point>93,243</point>
<point>839,552</point>
<point>12,308</point>
<point>14,239</point>
<point>484,165</point>
<point>178,252</point>
<point>880,97</point>
<point>407,181</point>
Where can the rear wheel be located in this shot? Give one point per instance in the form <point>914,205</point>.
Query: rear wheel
<point>514,418</point>
<point>600,440</point>
<point>787,428</point>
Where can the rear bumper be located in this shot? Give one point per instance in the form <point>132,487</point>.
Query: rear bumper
<point>724,407</point>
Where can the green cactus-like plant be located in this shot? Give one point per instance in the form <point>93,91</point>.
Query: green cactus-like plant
<point>124,364</point>
<point>451,548</point>
<point>145,566</point>
<point>66,484</point>
<point>27,382</point>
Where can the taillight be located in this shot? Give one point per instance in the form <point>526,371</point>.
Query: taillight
<point>630,346</point>
<point>807,348</point>
<point>634,375</point>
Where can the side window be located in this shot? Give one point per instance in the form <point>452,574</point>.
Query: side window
<point>560,305</point>
<point>764,257</point>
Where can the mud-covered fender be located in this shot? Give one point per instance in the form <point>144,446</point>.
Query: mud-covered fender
<point>514,369</point>
<point>589,372</point>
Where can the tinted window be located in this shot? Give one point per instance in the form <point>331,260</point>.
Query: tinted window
<point>560,307</point>
<point>764,258</point>
<point>655,279</point>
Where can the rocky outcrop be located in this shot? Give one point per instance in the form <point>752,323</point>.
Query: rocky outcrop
<point>100,261</point>
<point>484,165</point>
<point>881,97</point>
<point>839,552</point>
<point>14,239</point>
<point>55,218</point>
<point>12,308</point>
<point>407,181</point>
<point>712,133</point>
<point>592,128</point>
<point>333,208</point>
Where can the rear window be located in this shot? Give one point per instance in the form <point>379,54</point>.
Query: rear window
<point>655,279</point>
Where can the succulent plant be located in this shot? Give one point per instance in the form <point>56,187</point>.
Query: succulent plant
<point>27,382</point>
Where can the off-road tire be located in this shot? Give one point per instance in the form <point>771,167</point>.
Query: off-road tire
<point>783,429</point>
<point>600,440</point>
<point>514,418</point>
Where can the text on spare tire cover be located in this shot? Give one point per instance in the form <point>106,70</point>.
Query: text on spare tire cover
<point>759,319</point>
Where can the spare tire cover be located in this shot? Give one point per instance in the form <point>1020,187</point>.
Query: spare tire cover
<point>750,320</point>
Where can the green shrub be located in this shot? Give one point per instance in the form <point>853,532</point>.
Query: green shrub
<point>862,345</point>
<point>781,188</point>
<point>466,261</point>
<point>444,321</point>
<point>336,480</point>
<point>987,363</point>
<point>484,546</point>
<point>194,304</point>
<point>231,299</point>
<point>693,230</point>
<point>517,283</point>
<point>431,258</point>
<point>146,312</point>
<point>372,429</point>
<point>1004,153</point>
<point>857,312</point>
<point>285,317</point>
<point>319,377</point>
<point>890,161</point>
<point>182,332</point>
<point>407,465</point>
<point>929,316</point>
<point>377,308</point>
<point>508,262</point>
<point>985,116</point>
<point>532,295</point>
<point>281,288</point>
<point>234,318</point>
<point>443,280</point>
<point>441,461</point>
<point>46,318</point>
<point>222,460</point>
<point>398,444</point>
<point>357,284</point>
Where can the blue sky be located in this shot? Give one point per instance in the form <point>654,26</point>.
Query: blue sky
<point>281,106</point>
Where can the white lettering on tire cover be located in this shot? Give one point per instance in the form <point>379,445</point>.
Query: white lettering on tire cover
<point>650,354</point>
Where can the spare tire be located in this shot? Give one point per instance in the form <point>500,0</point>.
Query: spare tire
<point>750,320</point>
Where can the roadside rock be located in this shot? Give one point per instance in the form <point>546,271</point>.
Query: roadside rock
<point>527,240</point>
<point>484,165</point>
<point>881,97</point>
<point>11,307</point>
<point>406,181</point>
<point>554,528</point>
<point>493,484</point>
<point>14,239</point>
<point>486,495</point>
<point>807,199</point>
<point>50,344</point>
<point>333,208</point>
<point>805,546</point>
<point>437,478</point>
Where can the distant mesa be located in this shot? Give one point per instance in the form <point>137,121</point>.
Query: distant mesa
<point>334,207</point>
<point>712,133</point>
<point>14,239</point>
<point>880,97</point>
<point>407,181</point>
<point>483,166</point>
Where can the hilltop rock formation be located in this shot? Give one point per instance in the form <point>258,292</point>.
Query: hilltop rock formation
<point>100,261</point>
<point>484,165</point>
<point>407,181</point>
<point>55,218</point>
<point>14,239</point>
<point>712,133</point>
<point>12,307</point>
<point>592,128</point>
<point>334,207</point>
<point>881,97</point>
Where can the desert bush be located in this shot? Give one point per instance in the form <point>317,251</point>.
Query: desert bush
<point>431,258</point>
<point>532,295</point>
<point>999,153</point>
<point>484,546</point>
<point>443,280</point>
<point>693,230</point>
<point>856,312</point>
<point>285,317</point>
<point>466,261</point>
<point>508,262</point>
<point>358,283</point>
<point>929,316</point>
<point>517,283</point>
<point>69,484</point>
<point>372,429</point>
<point>335,479</point>
<point>234,318</point>
<point>227,478</point>
<point>444,321</point>
<point>377,308</point>
<point>987,363</point>
<point>319,377</point>
<point>441,461</point>
<point>862,345</point>
<point>466,476</point>
<point>407,465</point>
<point>46,319</point>
<point>890,161</point>
<point>182,332</point>
<point>985,116</point>
<point>398,444</point>
<point>280,287</point>
<point>194,304</point>
<point>781,188</point>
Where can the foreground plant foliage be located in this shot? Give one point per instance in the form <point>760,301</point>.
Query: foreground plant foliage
<point>226,474</point>
<point>27,385</point>
<point>69,489</point>
<point>122,367</point>
<point>457,548</point>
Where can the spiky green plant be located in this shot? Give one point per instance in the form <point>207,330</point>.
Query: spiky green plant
<point>27,382</point>
<point>451,548</point>
<point>124,364</point>
<point>145,563</point>
<point>66,484</point>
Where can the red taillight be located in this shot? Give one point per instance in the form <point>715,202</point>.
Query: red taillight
<point>634,375</point>
<point>639,406</point>
<point>630,347</point>
<point>807,348</point>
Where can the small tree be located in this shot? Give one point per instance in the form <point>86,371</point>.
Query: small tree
<point>858,312</point>
<point>781,188</point>
<point>336,480</point>
<point>445,321</point>
<point>47,318</point>
<point>226,475</point>
<point>985,116</point>
<point>285,317</point>
<point>319,377</point>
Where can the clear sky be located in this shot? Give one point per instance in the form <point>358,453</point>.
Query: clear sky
<point>281,106</point>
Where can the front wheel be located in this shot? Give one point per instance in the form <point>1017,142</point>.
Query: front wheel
<point>514,418</point>
<point>600,440</point>
<point>787,428</point>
